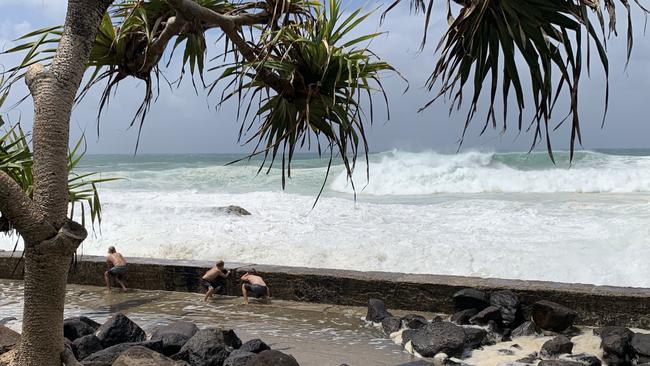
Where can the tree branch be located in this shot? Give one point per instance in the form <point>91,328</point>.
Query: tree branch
<point>23,214</point>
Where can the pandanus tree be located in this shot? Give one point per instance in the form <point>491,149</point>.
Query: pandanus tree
<point>301,76</point>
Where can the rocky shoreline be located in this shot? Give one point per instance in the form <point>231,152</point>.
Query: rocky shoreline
<point>481,320</point>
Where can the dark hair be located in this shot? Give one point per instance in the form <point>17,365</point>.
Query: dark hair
<point>220,263</point>
<point>253,271</point>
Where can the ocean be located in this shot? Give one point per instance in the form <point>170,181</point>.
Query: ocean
<point>487,214</point>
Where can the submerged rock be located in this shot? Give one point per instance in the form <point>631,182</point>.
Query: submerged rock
<point>463,317</point>
<point>376,311</point>
<point>391,324</point>
<point>509,306</point>
<point>142,356</point>
<point>233,210</point>
<point>439,337</point>
<point>8,339</point>
<point>470,298</point>
<point>119,329</point>
<point>584,358</point>
<point>551,316</point>
<point>556,346</point>
<point>272,357</point>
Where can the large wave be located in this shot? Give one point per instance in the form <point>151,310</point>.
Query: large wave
<point>425,173</point>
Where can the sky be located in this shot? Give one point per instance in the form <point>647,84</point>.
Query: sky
<point>182,121</point>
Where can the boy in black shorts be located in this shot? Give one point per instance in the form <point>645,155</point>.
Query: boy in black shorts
<point>214,280</point>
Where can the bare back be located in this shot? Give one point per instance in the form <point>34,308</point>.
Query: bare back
<point>116,259</point>
<point>255,280</point>
<point>213,273</point>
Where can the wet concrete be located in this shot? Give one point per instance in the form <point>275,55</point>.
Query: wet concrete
<point>597,305</point>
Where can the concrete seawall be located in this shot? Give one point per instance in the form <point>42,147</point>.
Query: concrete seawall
<point>597,305</point>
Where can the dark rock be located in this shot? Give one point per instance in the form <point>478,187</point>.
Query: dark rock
<point>485,315</point>
<point>142,356</point>
<point>508,304</point>
<point>77,327</point>
<point>208,347</point>
<point>416,363</point>
<point>86,346</point>
<point>174,335</point>
<point>585,359</point>
<point>107,356</point>
<point>528,328</point>
<point>255,346</point>
<point>119,329</point>
<point>495,332</point>
<point>439,337</point>
<point>556,346</point>
<point>234,210</point>
<point>376,311</point>
<point>238,357</point>
<point>391,324</point>
<point>437,319</point>
<point>475,337</point>
<point>530,359</point>
<point>272,357</point>
<point>8,339</point>
<point>462,317</point>
<point>7,320</point>
<point>616,345</point>
<point>407,335</point>
<point>505,351</point>
<point>470,298</point>
<point>559,363</point>
<point>414,321</point>
<point>641,344</point>
<point>551,316</point>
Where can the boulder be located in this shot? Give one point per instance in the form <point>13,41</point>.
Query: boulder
<point>107,356</point>
<point>254,346</point>
<point>376,311</point>
<point>119,329</point>
<point>407,335</point>
<point>470,298</point>
<point>485,315</point>
<point>391,324</point>
<point>439,337</point>
<point>8,339</point>
<point>551,316</point>
<point>142,356</point>
<point>239,357</point>
<point>616,345</point>
<point>527,328</point>
<point>641,344</point>
<point>86,346</point>
<point>414,321</point>
<point>234,210</point>
<point>78,327</point>
<point>475,337</point>
<point>174,335</point>
<point>508,304</point>
<point>462,317</point>
<point>272,357</point>
<point>559,363</point>
<point>208,347</point>
<point>556,346</point>
<point>584,358</point>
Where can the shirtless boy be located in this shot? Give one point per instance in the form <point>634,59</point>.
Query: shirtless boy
<point>255,285</point>
<point>116,268</point>
<point>214,279</point>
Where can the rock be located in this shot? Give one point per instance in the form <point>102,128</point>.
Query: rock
<point>475,337</point>
<point>556,346</point>
<point>616,345</point>
<point>508,304</point>
<point>8,339</point>
<point>584,358</point>
<point>641,344</point>
<point>254,346</point>
<point>272,357</point>
<point>234,210</point>
<point>439,337</point>
<point>7,320</point>
<point>462,317</point>
<point>208,347</point>
<point>9,358</point>
<point>530,359</point>
<point>86,346</point>
<point>239,357</point>
<point>142,356</point>
<point>391,324</point>
<point>551,316</point>
<point>559,363</point>
<point>485,315</point>
<point>414,321</point>
<point>505,351</point>
<point>119,329</point>
<point>407,335</point>
<point>470,298</point>
<point>437,319</point>
<point>416,363</point>
<point>77,327</point>
<point>107,356</point>
<point>495,332</point>
<point>174,335</point>
<point>528,328</point>
<point>376,311</point>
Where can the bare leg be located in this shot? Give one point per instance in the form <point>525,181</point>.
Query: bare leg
<point>268,296</point>
<point>208,294</point>
<point>121,284</point>
<point>108,280</point>
<point>245,293</point>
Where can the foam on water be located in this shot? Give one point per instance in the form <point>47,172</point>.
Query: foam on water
<point>170,209</point>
